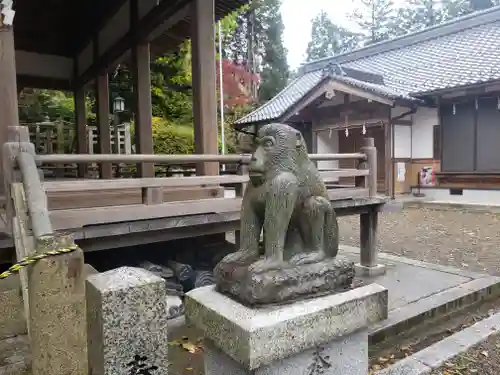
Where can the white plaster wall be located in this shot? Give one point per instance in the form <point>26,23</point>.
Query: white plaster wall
<point>469,196</point>
<point>327,143</point>
<point>422,142</point>
<point>402,141</point>
<point>40,65</point>
<point>397,111</point>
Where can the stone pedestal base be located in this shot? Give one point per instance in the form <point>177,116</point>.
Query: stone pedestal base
<point>365,271</point>
<point>325,335</point>
<point>346,356</point>
<point>288,283</point>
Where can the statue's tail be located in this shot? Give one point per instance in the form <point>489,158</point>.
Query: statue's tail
<point>331,233</point>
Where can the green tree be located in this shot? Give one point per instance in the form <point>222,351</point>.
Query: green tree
<point>457,8</point>
<point>269,31</point>
<point>481,4</point>
<point>376,19</point>
<point>415,15</point>
<point>328,39</point>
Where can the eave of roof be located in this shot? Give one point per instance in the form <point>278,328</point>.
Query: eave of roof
<point>287,100</point>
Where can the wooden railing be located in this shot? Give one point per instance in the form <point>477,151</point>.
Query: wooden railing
<point>21,163</point>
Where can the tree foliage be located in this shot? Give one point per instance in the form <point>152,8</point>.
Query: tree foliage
<point>376,19</point>
<point>269,28</point>
<point>328,39</point>
<point>236,84</point>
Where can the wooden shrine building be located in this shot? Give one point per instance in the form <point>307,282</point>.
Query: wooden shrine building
<point>75,45</point>
<point>431,100</point>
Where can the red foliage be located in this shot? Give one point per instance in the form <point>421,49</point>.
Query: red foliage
<point>236,83</point>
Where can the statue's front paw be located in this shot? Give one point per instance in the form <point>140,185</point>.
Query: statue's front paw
<point>265,264</point>
<point>307,258</point>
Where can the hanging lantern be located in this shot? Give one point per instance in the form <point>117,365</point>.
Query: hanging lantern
<point>364,129</point>
<point>498,102</point>
<point>346,132</point>
<point>330,133</point>
<point>454,109</point>
<point>476,104</point>
<point>118,104</point>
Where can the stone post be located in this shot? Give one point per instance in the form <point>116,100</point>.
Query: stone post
<point>127,322</point>
<point>56,289</point>
<point>323,335</point>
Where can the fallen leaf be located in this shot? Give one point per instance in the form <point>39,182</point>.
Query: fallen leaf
<point>190,347</point>
<point>189,369</point>
<point>485,353</point>
<point>383,360</point>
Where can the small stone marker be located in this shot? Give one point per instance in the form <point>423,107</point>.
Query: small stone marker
<point>127,322</point>
<point>324,335</point>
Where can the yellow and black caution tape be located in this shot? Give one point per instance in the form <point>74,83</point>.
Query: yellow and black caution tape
<point>30,259</point>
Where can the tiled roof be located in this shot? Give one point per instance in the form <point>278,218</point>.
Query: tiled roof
<point>457,53</point>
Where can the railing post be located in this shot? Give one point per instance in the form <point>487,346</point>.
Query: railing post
<point>240,190</point>
<point>368,221</point>
<point>18,140</point>
<point>370,163</point>
<point>152,195</point>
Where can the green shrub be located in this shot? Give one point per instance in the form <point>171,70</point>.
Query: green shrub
<point>171,138</point>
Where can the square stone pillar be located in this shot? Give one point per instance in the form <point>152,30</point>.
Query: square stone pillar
<point>127,322</point>
<point>325,335</point>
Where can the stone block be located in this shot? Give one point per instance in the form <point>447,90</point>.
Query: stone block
<point>127,321</point>
<point>56,287</point>
<point>258,337</point>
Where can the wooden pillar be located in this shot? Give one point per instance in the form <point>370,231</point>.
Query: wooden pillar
<point>81,128</point>
<point>103,124</point>
<point>389,175</point>
<point>9,115</point>
<point>204,83</point>
<point>142,107</point>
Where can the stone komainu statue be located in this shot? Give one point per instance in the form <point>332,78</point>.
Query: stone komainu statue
<point>288,200</point>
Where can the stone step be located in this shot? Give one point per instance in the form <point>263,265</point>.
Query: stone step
<point>15,358</point>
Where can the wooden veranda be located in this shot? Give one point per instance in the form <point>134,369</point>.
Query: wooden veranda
<point>55,49</point>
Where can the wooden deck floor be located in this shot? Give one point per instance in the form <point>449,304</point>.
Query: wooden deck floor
<point>104,227</point>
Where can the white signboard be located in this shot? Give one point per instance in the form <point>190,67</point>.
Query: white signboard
<point>401,171</point>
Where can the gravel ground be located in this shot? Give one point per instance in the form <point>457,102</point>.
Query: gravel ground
<point>468,240</point>
<point>483,359</point>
